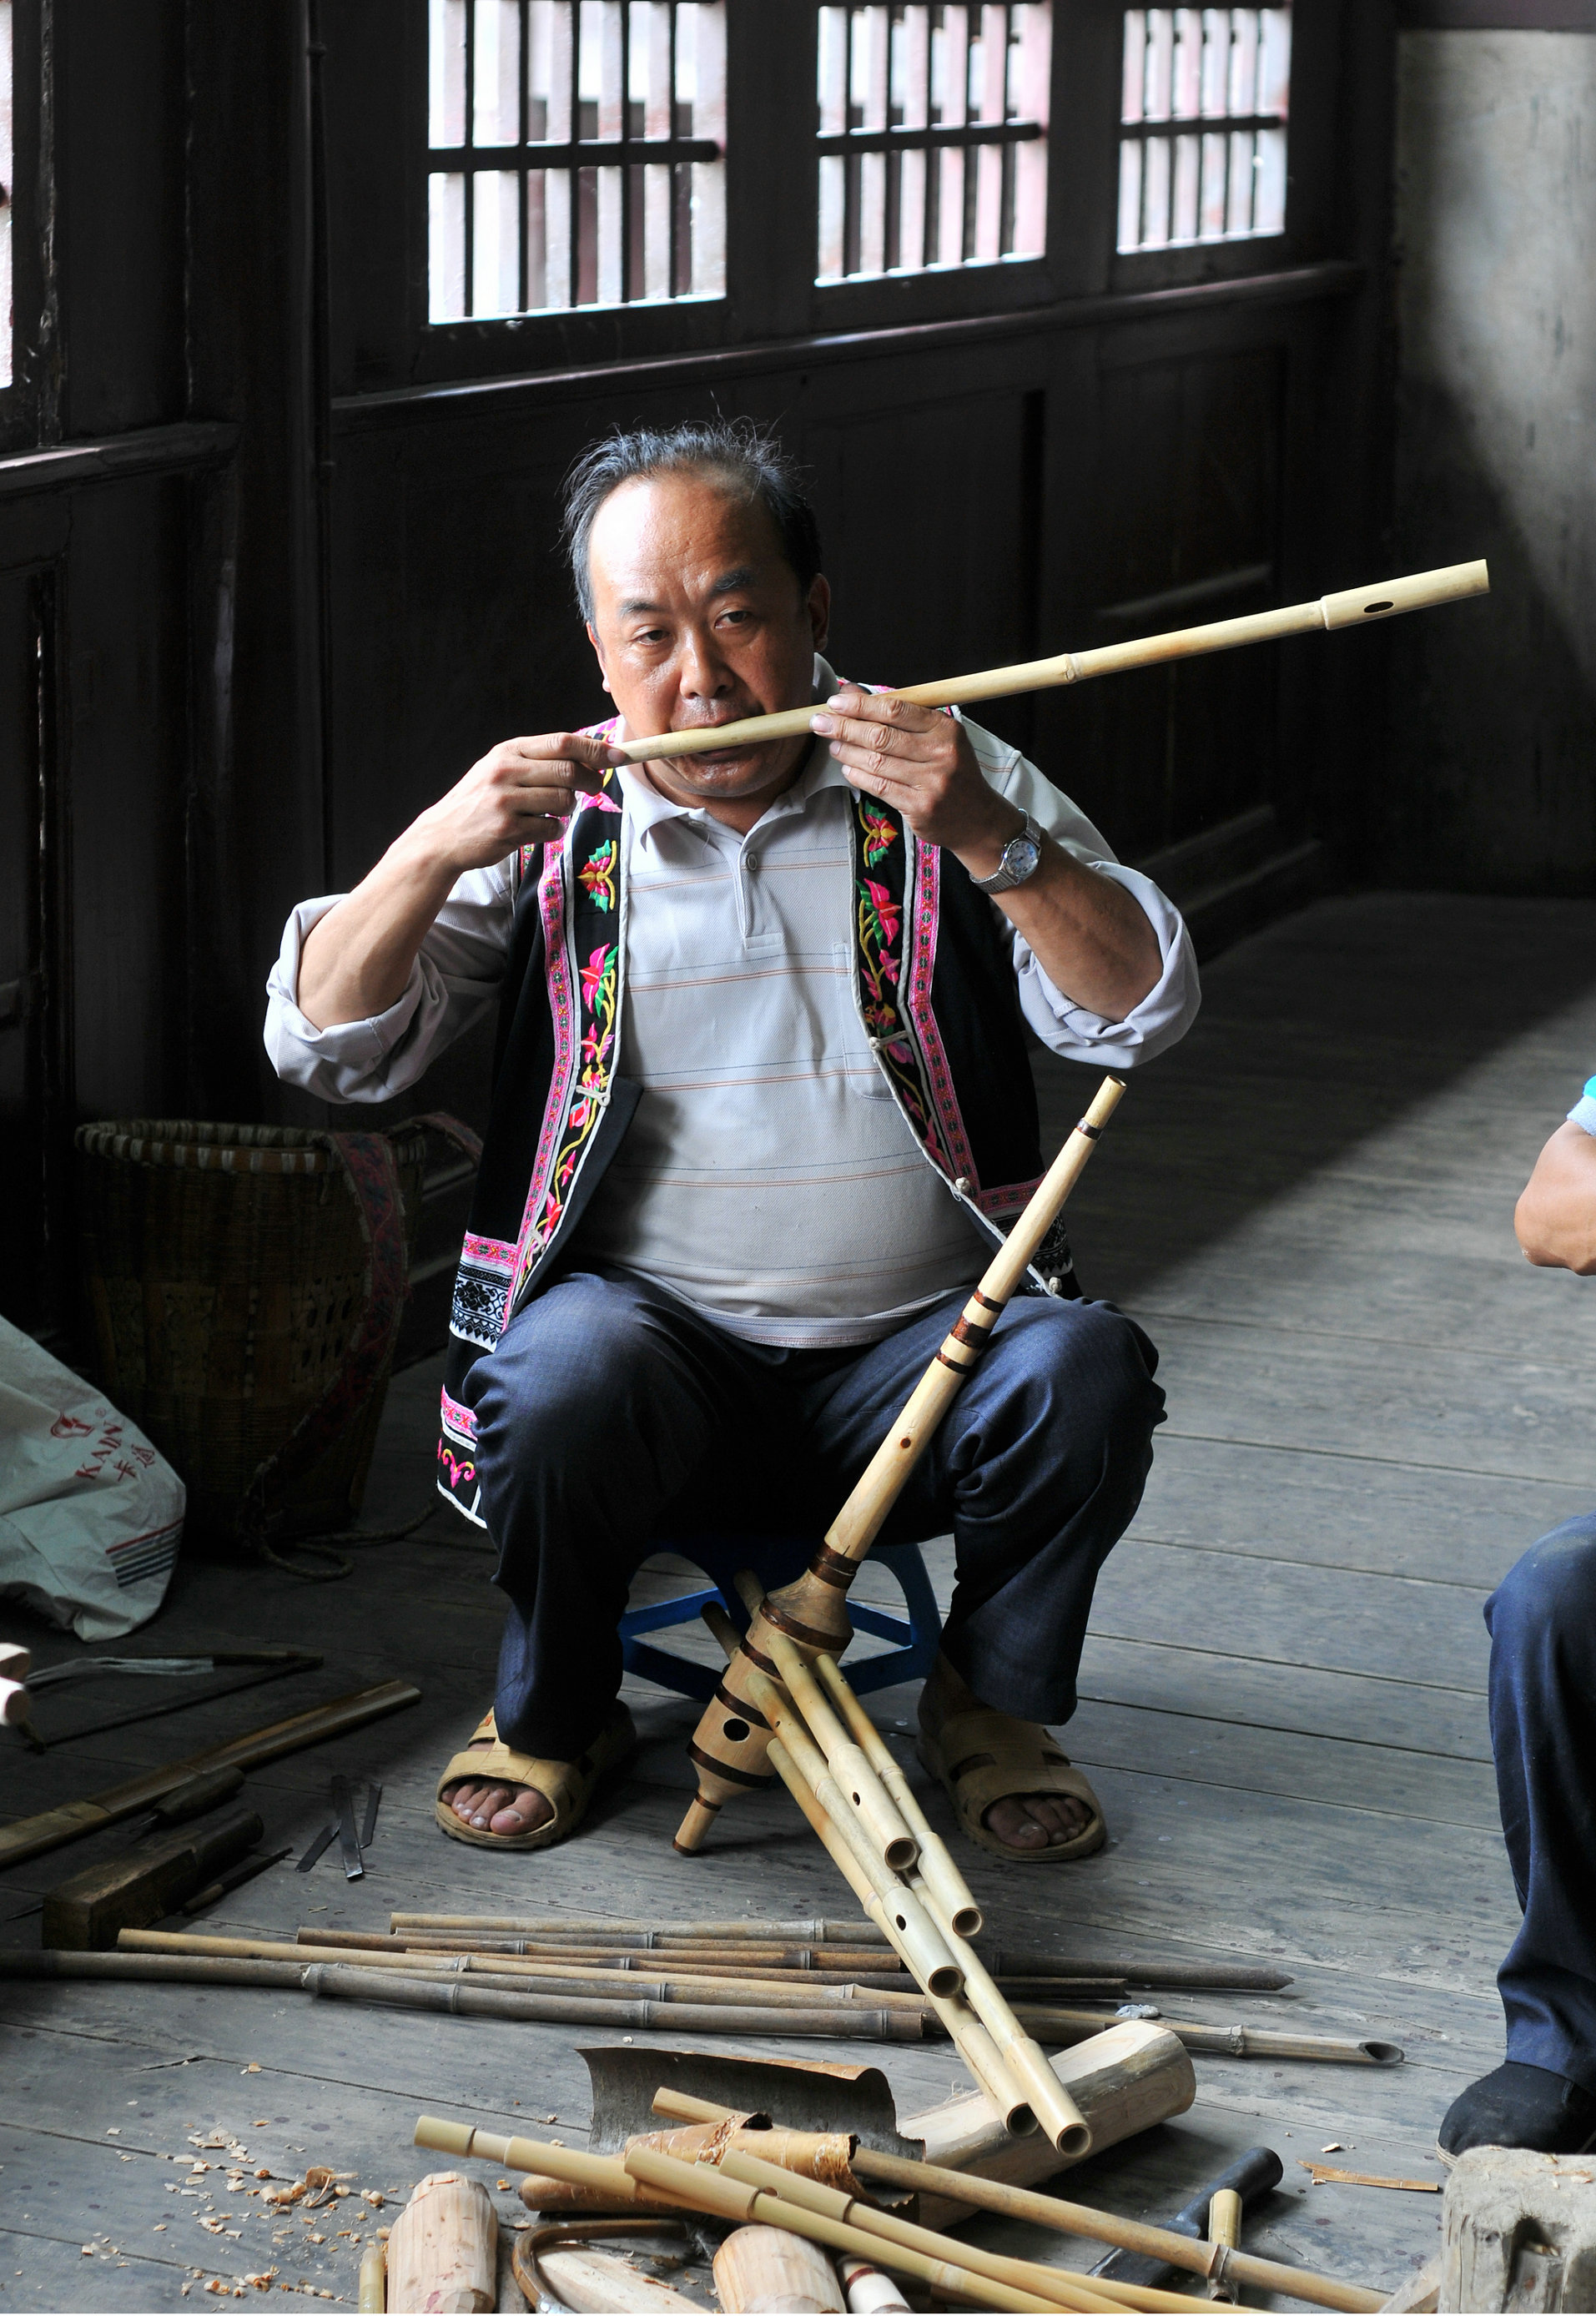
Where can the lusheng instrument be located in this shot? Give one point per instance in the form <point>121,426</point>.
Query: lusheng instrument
<point>1352,607</point>
<point>731,1745</point>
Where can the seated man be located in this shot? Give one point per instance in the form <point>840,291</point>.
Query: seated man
<point>762,1108</point>
<point>1542,1621</point>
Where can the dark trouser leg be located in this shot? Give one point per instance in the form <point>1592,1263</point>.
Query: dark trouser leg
<point>1038,1468</point>
<point>591,1414</point>
<point>1542,1621</point>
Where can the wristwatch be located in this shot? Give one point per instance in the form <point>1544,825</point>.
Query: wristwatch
<point>1021,856</point>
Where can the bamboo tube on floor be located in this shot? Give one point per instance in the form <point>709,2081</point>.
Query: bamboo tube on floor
<point>1022,2274</point>
<point>1189,2252</point>
<point>1066,2025</point>
<point>920,1941</point>
<point>723,2199</point>
<point>461,1997</point>
<point>372,2291</point>
<point>1224,2227</point>
<point>553,1978</point>
<point>728,1746</point>
<point>806,1930</point>
<point>763,2271</point>
<point>938,1870</point>
<point>1351,607</point>
<point>442,2251</point>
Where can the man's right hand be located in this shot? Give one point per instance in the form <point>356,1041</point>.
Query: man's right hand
<point>518,794</point>
<point>356,960</point>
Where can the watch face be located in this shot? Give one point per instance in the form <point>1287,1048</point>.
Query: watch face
<point>1021,855</point>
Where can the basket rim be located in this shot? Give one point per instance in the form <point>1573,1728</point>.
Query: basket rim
<point>207,1145</point>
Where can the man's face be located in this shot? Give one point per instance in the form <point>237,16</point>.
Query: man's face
<point>699,619</point>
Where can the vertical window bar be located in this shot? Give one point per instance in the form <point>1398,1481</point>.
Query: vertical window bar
<point>955,86</point>
<point>915,39</point>
<point>468,253</point>
<point>876,22</point>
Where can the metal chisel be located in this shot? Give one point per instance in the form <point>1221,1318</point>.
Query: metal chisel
<point>349,1840</point>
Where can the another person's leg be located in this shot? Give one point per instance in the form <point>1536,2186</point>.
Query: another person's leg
<point>1542,1621</point>
<point>1038,1469</point>
<point>591,1414</point>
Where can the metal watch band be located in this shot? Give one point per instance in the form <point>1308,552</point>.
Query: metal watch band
<point>1003,878</point>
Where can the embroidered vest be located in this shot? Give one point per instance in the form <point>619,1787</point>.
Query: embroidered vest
<point>933,979</point>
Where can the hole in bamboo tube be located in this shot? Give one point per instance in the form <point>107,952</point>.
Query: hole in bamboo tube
<point>905,1443</point>
<point>737,1731</point>
<point>1369,609</point>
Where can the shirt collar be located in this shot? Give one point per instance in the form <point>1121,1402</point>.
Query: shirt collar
<point>647,810</point>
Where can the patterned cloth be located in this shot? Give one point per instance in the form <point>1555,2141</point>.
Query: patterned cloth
<point>767,1179</point>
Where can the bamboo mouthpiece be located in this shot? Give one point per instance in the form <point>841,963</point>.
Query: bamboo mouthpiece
<point>1351,607</point>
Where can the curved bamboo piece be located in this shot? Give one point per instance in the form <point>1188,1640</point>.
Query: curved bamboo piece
<point>730,1746</point>
<point>1352,607</point>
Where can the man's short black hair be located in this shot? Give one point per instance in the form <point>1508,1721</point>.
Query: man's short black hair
<point>731,451</point>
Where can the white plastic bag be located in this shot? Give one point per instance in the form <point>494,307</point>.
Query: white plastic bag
<point>90,1515</point>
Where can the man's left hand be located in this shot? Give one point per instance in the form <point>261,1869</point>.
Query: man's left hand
<point>921,762</point>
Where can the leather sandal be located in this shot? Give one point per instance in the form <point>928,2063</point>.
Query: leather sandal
<point>566,1786</point>
<point>982,1757</point>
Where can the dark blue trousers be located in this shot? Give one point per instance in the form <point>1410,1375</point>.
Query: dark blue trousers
<point>1542,1621</point>
<point>610,1416</point>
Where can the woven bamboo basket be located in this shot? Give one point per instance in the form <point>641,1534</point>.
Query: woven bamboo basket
<point>227,1270</point>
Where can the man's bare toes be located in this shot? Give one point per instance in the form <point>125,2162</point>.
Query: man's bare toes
<point>1012,1823</point>
<point>524,1812</point>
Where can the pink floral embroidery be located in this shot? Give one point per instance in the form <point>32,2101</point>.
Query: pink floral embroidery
<point>879,836</point>
<point>459,1473</point>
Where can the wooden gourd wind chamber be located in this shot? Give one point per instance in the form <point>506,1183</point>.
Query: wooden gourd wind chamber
<point>1351,607</point>
<point>731,1747</point>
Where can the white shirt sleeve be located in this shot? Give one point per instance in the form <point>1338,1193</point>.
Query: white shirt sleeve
<point>454,979</point>
<point>1584,1113</point>
<point>1070,1031</point>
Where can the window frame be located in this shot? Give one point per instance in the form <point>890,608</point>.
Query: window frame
<point>30,406</point>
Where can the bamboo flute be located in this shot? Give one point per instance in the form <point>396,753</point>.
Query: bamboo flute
<point>844,1756</point>
<point>728,1748</point>
<point>941,1875</point>
<point>1195,2254</point>
<point>1351,607</point>
<point>1056,2112</point>
<point>459,1996</point>
<point>30,1837</point>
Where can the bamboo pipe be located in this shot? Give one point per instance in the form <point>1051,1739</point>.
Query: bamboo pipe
<point>728,1747</point>
<point>461,1997</point>
<point>1024,2275</point>
<point>941,1875</point>
<point>1192,2253</point>
<point>838,1961</point>
<point>922,1945</point>
<point>1064,2025</point>
<point>532,1978</point>
<point>844,1756</point>
<point>1224,2227</point>
<point>808,1930</point>
<point>372,2295</point>
<point>29,1837</point>
<point>969,2037</point>
<point>1351,607</point>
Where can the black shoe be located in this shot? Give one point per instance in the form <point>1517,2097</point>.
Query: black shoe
<point>1517,2105</point>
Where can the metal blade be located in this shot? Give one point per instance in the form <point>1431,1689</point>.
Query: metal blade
<point>315,1848</point>
<point>349,1841</point>
<point>373,1798</point>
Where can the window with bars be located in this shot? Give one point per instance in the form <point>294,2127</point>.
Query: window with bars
<point>932,136</point>
<point>1202,158</point>
<point>575,155</point>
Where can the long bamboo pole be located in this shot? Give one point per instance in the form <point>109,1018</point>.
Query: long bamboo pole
<point>806,1930</point>
<point>459,1996</point>
<point>728,1747</point>
<point>1198,2256</point>
<point>1351,607</point>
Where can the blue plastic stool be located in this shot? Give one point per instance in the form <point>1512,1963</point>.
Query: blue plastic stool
<point>777,1560</point>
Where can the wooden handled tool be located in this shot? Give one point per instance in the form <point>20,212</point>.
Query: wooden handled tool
<point>730,1748</point>
<point>143,1884</point>
<point>27,1836</point>
<point>1353,607</point>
